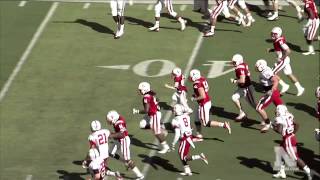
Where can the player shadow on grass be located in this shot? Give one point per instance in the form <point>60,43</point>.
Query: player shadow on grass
<point>65,175</point>
<point>137,142</point>
<point>136,21</point>
<point>94,25</point>
<point>293,47</point>
<point>246,123</point>
<point>303,107</point>
<point>256,163</point>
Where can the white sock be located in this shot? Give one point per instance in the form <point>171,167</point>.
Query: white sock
<point>249,16</point>
<point>164,144</point>
<point>306,169</point>
<point>298,9</point>
<point>121,27</point>
<point>298,85</point>
<point>212,28</point>
<point>137,171</point>
<point>276,13</point>
<point>111,173</point>
<point>240,14</point>
<point>195,157</point>
<point>311,48</point>
<point>157,23</point>
<point>187,169</point>
<point>282,83</point>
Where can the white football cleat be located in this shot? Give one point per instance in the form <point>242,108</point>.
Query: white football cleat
<point>204,158</point>
<point>284,89</point>
<point>273,17</point>
<point>241,116</point>
<point>186,174</point>
<point>280,174</point>
<point>227,126</point>
<point>300,92</point>
<point>265,128</point>
<point>183,24</point>
<point>309,53</point>
<point>164,150</point>
<point>241,21</point>
<point>140,178</point>
<point>118,34</point>
<point>208,34</point>
<point>155,28</point>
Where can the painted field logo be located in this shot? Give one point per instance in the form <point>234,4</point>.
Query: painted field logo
<point>217,68</point>
<point>282,157</point>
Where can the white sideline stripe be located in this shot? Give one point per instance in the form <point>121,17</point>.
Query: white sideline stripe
<point>29,177</point>
<point>22,3</point>
<point>183,7</point>
<point>150,7</point>
<point>26,53</point>
<point>191,60</point>
<point>86,5</point>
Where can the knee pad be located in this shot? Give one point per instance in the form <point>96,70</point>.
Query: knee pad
<point>242,4</point>
<point>235,97</point>
<point>158,8</point>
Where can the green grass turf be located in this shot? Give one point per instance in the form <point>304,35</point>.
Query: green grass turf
<point>46,114</point>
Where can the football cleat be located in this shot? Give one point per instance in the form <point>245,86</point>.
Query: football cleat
<point>183,24</point>
<point>265,128</point>
<point>309,53</point>
<point>208,34</point>
<point>164,150</point>
<point>227,126</point>
<point>241,116</point>
<point>284,89</point>
<point>155,28</point>
<point>204,158</point>
<point>280,174</point>
<point>300,91</point>
<point>241,21</point>
<point>186,174</point>
<point>200,136</point>
<point>140,178</point>
<point>273,17</point>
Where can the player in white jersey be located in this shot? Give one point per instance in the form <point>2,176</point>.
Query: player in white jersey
<point>180,96</point>
<point>167,4</point>
<point>183,131</point>
<point>285,125</point>
<point>98,168</point>
<point>117,11</point>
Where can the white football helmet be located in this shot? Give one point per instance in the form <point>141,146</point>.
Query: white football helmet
<point>195,74</point>
<point>144,87</point>
<point>276,32</point>
<point>176,71</point>
<point>178,109</point>
<point>261,65</point>
<point>95,125</point>
<point>112,116</point>
<point>281,110</point>
<point>93,153</point>
<point>318,92</point>
<point>143,124</point>
<point>237,59</point>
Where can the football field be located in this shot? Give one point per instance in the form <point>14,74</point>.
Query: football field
<point>61,68</point>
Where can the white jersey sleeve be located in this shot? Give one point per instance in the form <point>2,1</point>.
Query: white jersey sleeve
<point>265,77</point>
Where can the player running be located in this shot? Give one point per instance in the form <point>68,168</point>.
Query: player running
<point>311,28</point>
<point>201,95</point>
<point>243,82</point>
<point>117,11</point>
<point>286,126</point>
<point>243,6</point>
<point>167,4</point>
<point>153,114</point>
<point>214,13</point>
<point>283,60</point>
<point>183,131</point>
<point>123,143</point>
<point>269,82</point>
<point>275,4</point>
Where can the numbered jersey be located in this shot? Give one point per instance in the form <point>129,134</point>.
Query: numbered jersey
<point>280,45</point>
<point>99,139</point>
<point>121,126</point>
<point>97,166</point>
<point>183,123</point>
<point>265,78</point>
<point>179,83</point>
<point>243,70</point>
<point>309,4</point>
<point>287,123</point>
<point>151,100</point>
<point>201,83</point>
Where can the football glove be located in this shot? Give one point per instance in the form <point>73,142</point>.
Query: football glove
<point>232,80</point>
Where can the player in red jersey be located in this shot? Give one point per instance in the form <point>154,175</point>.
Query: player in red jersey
<point>285,125</point>
<point>153,114</point>
<point>310,29</point>
<point>243,82</point>
<point>201,95</point>
<point>120,126</point>
<point>283,60</point>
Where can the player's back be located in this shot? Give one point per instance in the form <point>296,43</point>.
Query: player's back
<point>265,78</point>
<point>100,140</point>
<point>287,122</point>
<point>184,124</point>
<point>97,164</point>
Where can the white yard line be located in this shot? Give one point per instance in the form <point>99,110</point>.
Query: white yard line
<point>29,177</point>
<point>22,3</point>
<point>167,116</point>
<point>86,5</point>
<point>26,53</point>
